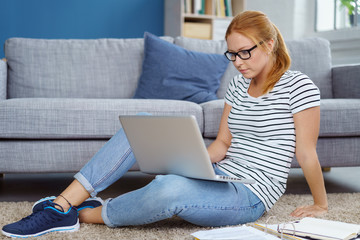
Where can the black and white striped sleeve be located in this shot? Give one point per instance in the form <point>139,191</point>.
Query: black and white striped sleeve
<point>229,95</point>
<point>304,94</point>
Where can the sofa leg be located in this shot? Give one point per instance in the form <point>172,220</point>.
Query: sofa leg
<point>326,169</point>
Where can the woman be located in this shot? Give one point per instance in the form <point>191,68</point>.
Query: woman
<point>266,106</point>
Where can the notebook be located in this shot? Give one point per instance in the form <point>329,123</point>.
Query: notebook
<point>316,228</point>
<point>244,232</point>
<point>171,145</point>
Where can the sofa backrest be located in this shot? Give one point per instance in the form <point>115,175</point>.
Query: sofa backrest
<point>311,56</point>
<point>101,68</point>
<point>110,68</point>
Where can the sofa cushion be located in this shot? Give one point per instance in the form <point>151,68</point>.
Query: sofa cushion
<point>100,68</point>
<point>346,81</point>
<point>212,116</point>
<point>339,117</point>
<point>210,46</point>
<point>312,56</point>
<point>172,72</point>
<point>52,118</point>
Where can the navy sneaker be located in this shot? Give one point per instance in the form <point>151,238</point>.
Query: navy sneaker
<point>88,203</point>
<point>50,219</point>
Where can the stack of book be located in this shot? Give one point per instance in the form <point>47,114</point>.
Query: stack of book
<point>223,8</point>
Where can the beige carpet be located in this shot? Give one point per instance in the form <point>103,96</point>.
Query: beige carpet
<point>343,207</point>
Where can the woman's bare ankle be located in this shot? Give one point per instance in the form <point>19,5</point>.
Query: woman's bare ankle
<point>73,195</point>
<point>60,200</point>
<point>91,215</point>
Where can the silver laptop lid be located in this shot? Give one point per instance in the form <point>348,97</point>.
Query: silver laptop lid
<point>168,145</point>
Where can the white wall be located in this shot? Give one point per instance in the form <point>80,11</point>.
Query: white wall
<point>280,13</point>
<point>296,19</point>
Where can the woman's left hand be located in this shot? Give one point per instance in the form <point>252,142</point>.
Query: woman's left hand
<point>309,211</point>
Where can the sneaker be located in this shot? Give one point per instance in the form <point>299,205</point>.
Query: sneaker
<point>88,203</point>
<point>50,219</point>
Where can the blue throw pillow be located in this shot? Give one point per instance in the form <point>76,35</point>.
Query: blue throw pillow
<point>172,72</point>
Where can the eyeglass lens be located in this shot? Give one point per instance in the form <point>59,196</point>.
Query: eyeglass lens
<point>242,54</point>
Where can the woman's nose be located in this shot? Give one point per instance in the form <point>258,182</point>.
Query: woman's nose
<point>238,62</point>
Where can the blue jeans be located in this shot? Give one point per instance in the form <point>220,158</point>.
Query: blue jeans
<point>205,203</point>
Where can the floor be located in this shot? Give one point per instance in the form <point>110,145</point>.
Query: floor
<point>31,187</point>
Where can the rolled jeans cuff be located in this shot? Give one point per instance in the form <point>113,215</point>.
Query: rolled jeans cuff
<point>86,184</point>
<point>104,214</point>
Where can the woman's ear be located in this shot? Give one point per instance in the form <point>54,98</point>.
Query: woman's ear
<point>270,45</point>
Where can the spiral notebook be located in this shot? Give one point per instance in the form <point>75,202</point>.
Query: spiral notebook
<point>239,233</point>
<point>305,228</point>
<point>316,228</point>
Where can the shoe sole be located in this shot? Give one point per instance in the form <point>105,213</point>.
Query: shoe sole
<point>73,228</point>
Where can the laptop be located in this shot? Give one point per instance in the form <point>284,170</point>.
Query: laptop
<point>171,145</point>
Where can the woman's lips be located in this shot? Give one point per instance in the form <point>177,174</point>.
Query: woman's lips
<point>243,71</point>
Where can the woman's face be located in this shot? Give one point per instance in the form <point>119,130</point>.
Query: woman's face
<point>258,65</point>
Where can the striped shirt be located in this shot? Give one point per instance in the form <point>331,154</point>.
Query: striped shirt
<point>263,132</point>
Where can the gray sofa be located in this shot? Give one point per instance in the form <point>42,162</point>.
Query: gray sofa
<point>60,99</point>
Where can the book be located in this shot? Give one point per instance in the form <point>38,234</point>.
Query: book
<point>321,229</point>
<point>220,8</point>
<point>197,6</point>
<point>228,8</point>
<point>243,232</point>
<point>188,6</point>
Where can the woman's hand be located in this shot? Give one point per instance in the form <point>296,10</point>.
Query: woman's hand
<point>309,211</point>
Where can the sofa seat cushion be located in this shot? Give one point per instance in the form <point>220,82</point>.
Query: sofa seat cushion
<point>339,117</point>
<point>41,118</point>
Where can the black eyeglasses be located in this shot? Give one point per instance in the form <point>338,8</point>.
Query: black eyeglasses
<point>242,54</point>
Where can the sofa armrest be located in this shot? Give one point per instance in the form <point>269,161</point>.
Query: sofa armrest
<point>346,81</point>
<point>3,79</point>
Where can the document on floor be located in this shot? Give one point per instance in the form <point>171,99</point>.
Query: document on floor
<point>316,228</point>
<point>234,233</point>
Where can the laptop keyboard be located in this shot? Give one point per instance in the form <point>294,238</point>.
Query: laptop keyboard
<point>228,177</point>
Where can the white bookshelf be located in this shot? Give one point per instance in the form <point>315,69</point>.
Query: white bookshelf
<point>212,24</point>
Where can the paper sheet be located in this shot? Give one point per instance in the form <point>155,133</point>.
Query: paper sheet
<point>234,233</point>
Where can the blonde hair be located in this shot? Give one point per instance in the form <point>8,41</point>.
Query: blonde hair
<point>256,26</point>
